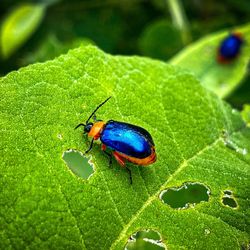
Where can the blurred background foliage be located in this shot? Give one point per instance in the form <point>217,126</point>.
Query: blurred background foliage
<point>36,31</point>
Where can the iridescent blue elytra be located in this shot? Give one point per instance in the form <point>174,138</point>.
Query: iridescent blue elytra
<point>126,142</point>
<point>230,48</point>
<point>127,139</point>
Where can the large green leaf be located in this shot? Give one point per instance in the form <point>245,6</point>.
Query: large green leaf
<point>197,136</point>
<point>200,59</point>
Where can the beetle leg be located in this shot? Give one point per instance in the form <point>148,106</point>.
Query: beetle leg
<point>108,154</point>
<point>130,175</point>
<point>90,147</point>
<point>121,161</point>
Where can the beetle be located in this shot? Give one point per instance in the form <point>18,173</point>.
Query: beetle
<point>229,48</point>
<point>126,142</point>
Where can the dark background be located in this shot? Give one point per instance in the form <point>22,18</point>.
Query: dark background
<point>125,27</point>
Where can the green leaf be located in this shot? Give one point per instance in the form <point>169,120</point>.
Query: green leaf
<point>160,40</point>
<point>246,114</point>
<point>241,95</point>
<point>197,136</point>
<point>200,59</point>
<point>18,26</point>
<point>52,47</point>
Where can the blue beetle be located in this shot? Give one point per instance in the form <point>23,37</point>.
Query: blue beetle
<point>126,141</point>
<point>229,48</point>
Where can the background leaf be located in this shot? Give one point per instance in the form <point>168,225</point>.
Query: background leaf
<point>160,40</point>
<point>241,95</point>
<point>246,114</point>
<point>198,139</point>
<point>51,47</point>
<point>18,27</point>
<point>200,58</point>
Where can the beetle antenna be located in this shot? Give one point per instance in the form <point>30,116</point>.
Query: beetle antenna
<point>97,109</point>
<point>79,125</point>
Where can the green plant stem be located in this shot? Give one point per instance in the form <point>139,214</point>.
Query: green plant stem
<point>179,19</point>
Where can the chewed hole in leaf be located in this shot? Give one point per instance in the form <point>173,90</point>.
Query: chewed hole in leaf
<point>59,136</point>
<point>79,164</point>
<point>145,239</point>
<point>207,231</point>
<point>185,196</point>
<point>228,192</point>
<point>229,200</point>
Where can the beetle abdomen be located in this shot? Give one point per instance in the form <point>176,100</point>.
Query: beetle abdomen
<point>128,139</point>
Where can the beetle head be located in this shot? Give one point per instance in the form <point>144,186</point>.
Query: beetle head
<point>88,127</point>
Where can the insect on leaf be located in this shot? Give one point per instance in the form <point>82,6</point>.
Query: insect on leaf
<point>199,140</point>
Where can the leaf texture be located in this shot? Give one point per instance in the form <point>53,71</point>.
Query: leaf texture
<point>197,137</point>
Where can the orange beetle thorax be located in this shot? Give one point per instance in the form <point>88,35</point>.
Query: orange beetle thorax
<point>96,129</point>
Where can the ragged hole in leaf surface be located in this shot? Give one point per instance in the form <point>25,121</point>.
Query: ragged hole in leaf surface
<point>78,163</point>
<point>228,192</point>
<point>145,239</point>
<point>207,231</point>
<point>185,196</point>
<point>59,136</point>
<point>229,200</point>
